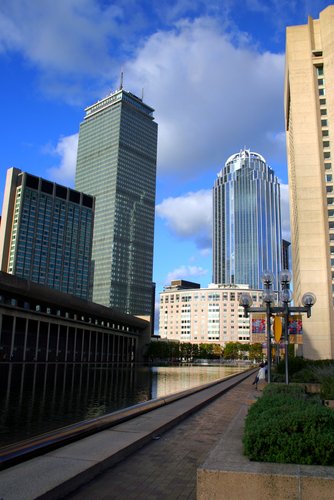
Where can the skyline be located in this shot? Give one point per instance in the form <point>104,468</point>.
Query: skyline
<point>213,74</point>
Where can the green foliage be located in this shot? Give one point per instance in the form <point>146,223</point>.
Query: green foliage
<point>327,387</point>
<point>287,427</point>
<point>210,351</point>
<point>255,352</point>
<point>295,365</point>
<point>173,350</point>
<point>232,350</point>
<point>163,350</point>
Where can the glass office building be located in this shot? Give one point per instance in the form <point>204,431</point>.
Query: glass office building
<point>246,221</point>
<point>46,233</point>
<point>117,164</point>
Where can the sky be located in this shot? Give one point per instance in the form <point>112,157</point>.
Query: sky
<point>212,70</point>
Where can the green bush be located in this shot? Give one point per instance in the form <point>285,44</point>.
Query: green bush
<point>295,365</point>
<point>287,427</point>
<point>327,387</point>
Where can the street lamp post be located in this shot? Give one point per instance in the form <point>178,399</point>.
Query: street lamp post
<point>268,298</point>
<point>285,278</point>
<point>308,300</point>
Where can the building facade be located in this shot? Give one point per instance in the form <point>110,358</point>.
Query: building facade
<point>309,120</point>
<point>46,233</point>
<point>246,221</point>
<point>116,163</point>
<point>205,315</point>
<point>45,325</point>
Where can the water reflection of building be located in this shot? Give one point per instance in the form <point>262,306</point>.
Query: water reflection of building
<point>42,324</point>
<point>40,397</point>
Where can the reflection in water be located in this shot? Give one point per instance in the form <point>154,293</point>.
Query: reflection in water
<point>36,398</point>
<point>171,379</point>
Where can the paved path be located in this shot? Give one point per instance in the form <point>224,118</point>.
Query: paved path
<point>165,469</point>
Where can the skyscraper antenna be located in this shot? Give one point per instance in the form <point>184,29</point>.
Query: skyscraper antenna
<point>142,94</point>
<point>121,82</point>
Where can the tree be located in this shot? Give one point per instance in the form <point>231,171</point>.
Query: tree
<point>232,349</point>
<point>255,352</point>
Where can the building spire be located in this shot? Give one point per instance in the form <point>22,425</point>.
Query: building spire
<point>121,82</point>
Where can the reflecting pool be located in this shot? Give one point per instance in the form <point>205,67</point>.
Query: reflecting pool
<point>37,397</point>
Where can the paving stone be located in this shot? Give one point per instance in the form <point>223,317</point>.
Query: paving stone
<point>166,468</point>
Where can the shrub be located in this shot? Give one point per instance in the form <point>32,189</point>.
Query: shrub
<point>327,387</point>
<point>295,365</point>
<point>287,427</point>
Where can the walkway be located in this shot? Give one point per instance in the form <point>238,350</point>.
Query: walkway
<point>165,469</point>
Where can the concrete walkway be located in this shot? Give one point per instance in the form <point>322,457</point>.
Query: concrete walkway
<point>166,467</point>
<point>160,464</point>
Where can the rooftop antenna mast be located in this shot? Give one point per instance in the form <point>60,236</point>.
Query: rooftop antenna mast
<point>142,94</point>
<point>121,82</point>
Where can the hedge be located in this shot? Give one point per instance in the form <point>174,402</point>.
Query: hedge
<point>286,426</point>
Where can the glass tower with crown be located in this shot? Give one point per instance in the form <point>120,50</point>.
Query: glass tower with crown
<point>246,221</point>
<point>116,163</point>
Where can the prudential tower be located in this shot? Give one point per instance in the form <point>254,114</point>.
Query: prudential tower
<point>116,163</point>
<point>246,221</point>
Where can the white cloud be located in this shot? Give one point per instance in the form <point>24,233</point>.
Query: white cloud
<point>70,42</point>
<point>213,91</point>
<point>66,150</point>
<point>213,94</point>
<point>189,216</point>
<point>185,272</point>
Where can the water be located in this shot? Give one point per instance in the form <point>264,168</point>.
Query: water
<point>36,398</point>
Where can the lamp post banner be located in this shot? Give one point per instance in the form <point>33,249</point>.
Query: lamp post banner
<point>278,328</point>
<point>296,325</point>
<point>258,324</point>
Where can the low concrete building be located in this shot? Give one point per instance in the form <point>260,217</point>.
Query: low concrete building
<point>189,313</point>
<point>38,323</point>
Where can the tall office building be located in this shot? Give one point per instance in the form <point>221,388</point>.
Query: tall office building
<point>117,164</point>
<point>246,221</point>
<point>309,120</point>
<point>46,233</point>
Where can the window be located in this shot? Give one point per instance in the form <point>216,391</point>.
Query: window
<point>329,177</point>
<point>329,189</point>
<point>327,154</point>
<point>320,81</point>
<point>323,112</point>
<point>322,101</point>
<point>325,133</point>
<point>321,91</point>
<point>328,166</point>
<point>320,71</point>
<point>325,144</point>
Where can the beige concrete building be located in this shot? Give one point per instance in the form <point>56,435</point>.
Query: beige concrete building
<point>189,313</point>
<point>309,115</point>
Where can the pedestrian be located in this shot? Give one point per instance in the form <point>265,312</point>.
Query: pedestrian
<point>260,376</point>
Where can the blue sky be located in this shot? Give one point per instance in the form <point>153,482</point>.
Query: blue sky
<point>213,71</point>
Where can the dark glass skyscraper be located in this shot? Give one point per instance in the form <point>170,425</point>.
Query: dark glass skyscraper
<point>46,233</point>
<point>246,221</point>
<point>117,164</point>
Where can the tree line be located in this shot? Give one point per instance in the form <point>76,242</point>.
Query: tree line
<point>186,351</point>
